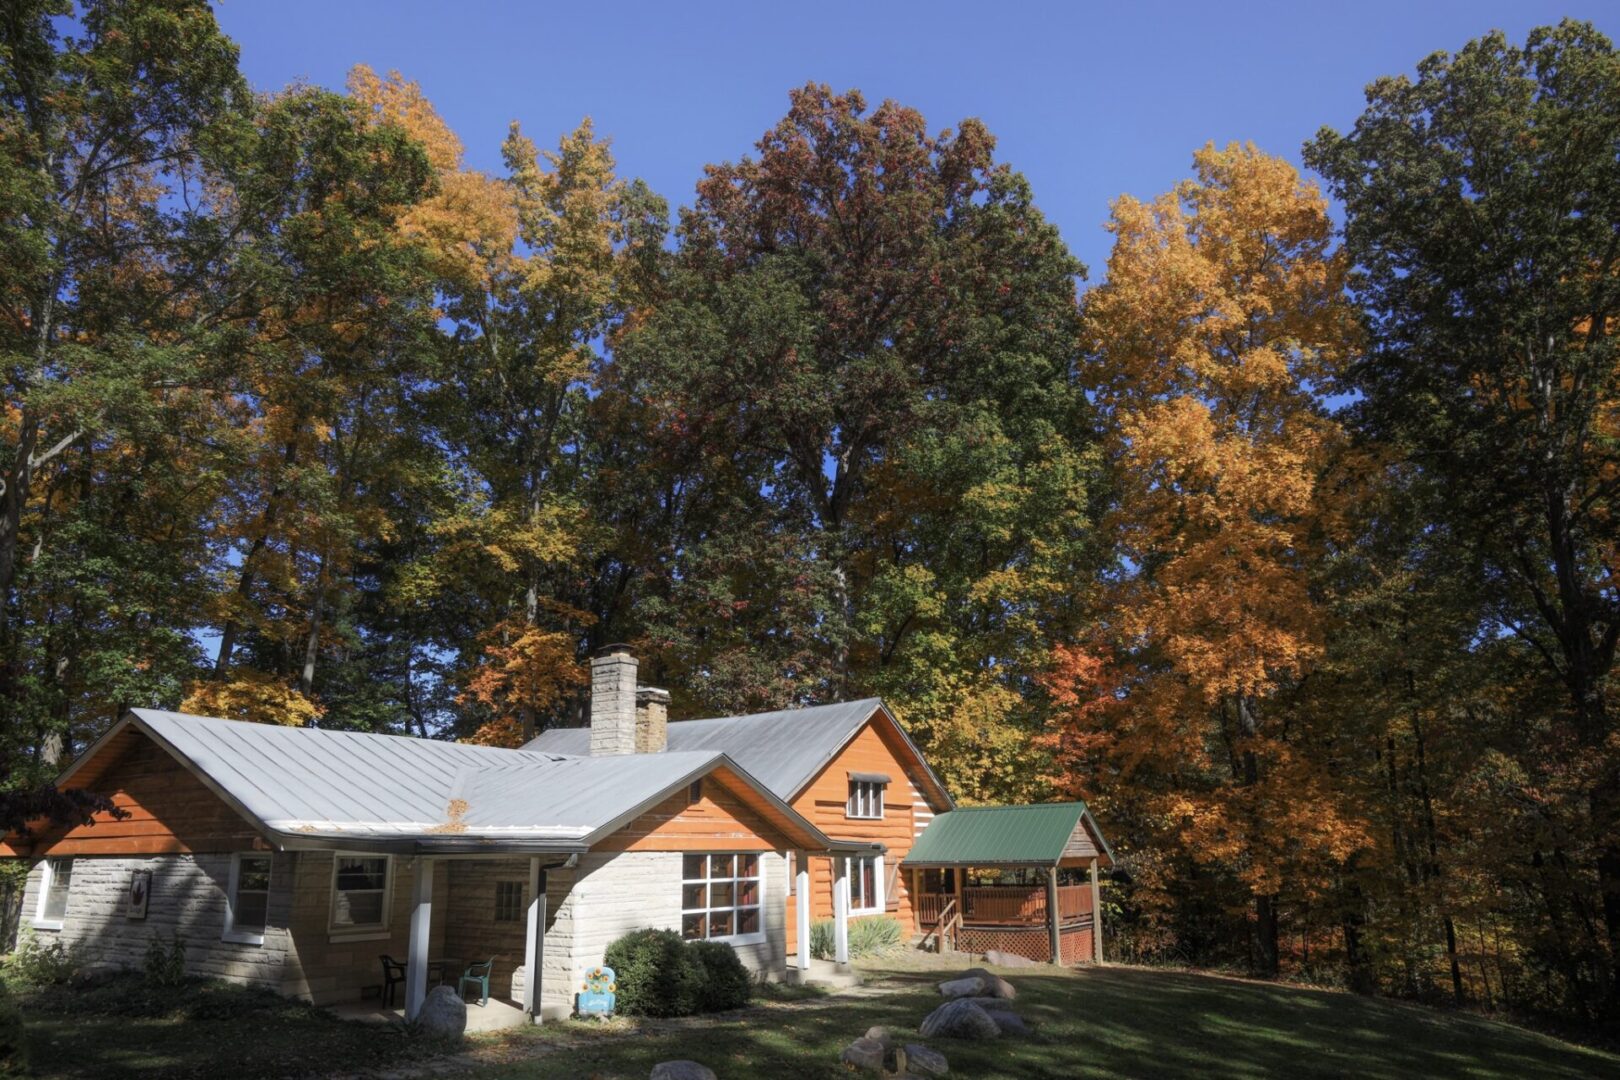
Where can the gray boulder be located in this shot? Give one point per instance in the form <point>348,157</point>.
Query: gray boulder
<point>682,1070</point>
<point>923,1061</point>
<point>994,985</point>
<point>443,1015</point>
<point>959,1020</point>
<point>1008,1021</point>
<point>1007,959</point>
<point>866,1053</point>
<point>878,1032</point>
<point>969,986</point>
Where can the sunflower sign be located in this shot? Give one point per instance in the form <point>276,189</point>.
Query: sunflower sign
<point>598,992</point>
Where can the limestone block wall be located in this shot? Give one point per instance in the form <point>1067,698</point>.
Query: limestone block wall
<point>299,955</point>
<point>610,894</point>
<point>473,934</point>
<point>187,898</point>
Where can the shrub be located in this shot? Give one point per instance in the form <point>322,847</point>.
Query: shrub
<point>726,983</point>
<point>13,1039</point>
<point>165,965</point>
<point>867,937</point>
<point>42,963</point>
<point>874,936</point>
<point>657,974</point>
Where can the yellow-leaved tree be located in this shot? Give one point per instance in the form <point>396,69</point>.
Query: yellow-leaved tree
<point>1217,334</point>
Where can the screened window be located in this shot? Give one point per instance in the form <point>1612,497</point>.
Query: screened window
<point>54,883</point>
<point>865,799</point>
<point>360,885</point>
<point>720,896</point>
<point>865,884</point>
<point>248,899</point>
<point>509,901</point>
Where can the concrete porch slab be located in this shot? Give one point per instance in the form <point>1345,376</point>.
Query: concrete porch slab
<point>494,1016</point>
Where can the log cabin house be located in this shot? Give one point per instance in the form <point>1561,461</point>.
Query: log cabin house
<point>297,858</point>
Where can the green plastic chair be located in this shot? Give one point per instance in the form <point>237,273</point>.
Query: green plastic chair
<point>477,974</point>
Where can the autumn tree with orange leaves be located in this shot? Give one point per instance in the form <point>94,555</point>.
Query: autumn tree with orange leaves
<point>1221,320</point>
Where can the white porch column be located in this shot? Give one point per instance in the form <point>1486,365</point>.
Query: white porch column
<point>1096,916</point>
<point>416,962</point>
<point>534,939</point>
<point>1053,918</point>
<point>841,909</point>
<point>801,908</point>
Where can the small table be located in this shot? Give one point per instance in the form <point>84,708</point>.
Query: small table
<point>438,968</point>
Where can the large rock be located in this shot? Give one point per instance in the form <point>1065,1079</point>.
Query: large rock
<point>1008,1021</point>
<point>923,1061</point>
<point>866,1053</point>
<point>682,1070</point>
<point>959,1020</point>
<point>1007,959</point>
<point>443,1015</point>
<point>994,985</point>
<point>970,986</point>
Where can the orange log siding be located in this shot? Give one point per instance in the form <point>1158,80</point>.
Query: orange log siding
<point>170,810</point>
<point>727,817</point>
<point>876,748</point>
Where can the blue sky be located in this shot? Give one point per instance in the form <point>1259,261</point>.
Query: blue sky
<point>1089,100</point>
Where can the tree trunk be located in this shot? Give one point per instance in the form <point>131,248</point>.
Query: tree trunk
<point>1265,935</point>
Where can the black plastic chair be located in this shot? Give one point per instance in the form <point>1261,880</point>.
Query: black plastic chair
<point>393,975</point>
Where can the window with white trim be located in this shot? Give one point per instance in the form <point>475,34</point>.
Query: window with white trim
<point>865,799</point>
<point>361,886</point>
<point>55,880</point>
<point>865,884</point>
<point>247,899</point>
<point>720,897</point>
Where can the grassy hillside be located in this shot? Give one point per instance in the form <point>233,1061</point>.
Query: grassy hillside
<point>1111,1022</point>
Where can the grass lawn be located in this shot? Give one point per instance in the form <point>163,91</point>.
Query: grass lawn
<point>124,1027</point>
<point>1109,1022</point>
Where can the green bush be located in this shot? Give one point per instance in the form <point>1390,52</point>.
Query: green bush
<point>37,962</point>
<point>867,937</point>
<point>726,983</point>
<point>657,974</point>
<point>165,965</point>
<point>13,1039</point>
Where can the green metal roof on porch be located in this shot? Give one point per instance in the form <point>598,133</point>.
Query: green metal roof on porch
<point>1033,835</point>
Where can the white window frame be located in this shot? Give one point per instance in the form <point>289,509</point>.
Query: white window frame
<point>231,933</point>
<point>47,874</point>
<point>852,872</point>
<point>334,932</point>
<point>866,799</point>
<point>730,939</point>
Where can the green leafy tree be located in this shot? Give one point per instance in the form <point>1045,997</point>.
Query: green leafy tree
<point>1483,207</point>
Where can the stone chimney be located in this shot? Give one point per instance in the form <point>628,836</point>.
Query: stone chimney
<point>613,701</point>
<point>652,719</point>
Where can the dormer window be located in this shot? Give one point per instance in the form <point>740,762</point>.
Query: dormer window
<point>866,796</point>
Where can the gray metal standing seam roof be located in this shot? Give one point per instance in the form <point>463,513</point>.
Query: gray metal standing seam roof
<point>784,749</point>
<point>313,785</point>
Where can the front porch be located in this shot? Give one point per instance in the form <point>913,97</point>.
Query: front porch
<point>1013,918</point>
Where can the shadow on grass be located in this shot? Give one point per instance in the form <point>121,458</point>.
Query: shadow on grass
<point>1111,1022</point>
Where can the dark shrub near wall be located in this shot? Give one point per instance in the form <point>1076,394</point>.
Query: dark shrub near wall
<point>660,974</point>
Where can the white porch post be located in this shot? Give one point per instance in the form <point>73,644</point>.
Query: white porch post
<point>1052,915</point>
<point>534,939</point>
<point>801,909</point>
<point>841,909</point>
<point>416,963</point>
<point>1096,916</point>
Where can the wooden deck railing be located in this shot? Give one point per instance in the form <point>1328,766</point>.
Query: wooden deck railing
<point>1004,905</point>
